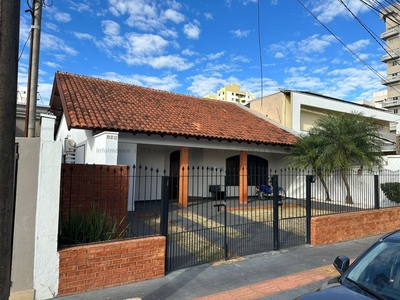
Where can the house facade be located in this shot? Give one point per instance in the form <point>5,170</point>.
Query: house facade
<point>298,110</point>
<point>106,122</point>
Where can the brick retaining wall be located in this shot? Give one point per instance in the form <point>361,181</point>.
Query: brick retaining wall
<point>95,266</point>
<point>347,226</point>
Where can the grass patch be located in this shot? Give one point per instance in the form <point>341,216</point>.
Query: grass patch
<point>203,249</point>
<point>210,224</point>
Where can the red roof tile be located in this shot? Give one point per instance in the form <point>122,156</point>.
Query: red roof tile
<point>92,103</point>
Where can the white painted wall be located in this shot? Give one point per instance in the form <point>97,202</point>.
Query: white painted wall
<point>101,148</point>
<point>392,162</point>
<point>127,155</point>
<point>46,260</point>
<point>300,99</point>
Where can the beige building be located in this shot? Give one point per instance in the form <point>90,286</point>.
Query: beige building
<point>299,110</point>
<point>232,93</point>
<point>390,15</point>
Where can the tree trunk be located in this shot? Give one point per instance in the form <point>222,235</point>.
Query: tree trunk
<point>321,177</point>
<point>349,198</point>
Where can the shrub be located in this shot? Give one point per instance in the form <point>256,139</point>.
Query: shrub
<point>94,226</point>
<point>391,191</point>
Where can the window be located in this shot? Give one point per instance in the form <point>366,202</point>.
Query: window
<point>396,111</point>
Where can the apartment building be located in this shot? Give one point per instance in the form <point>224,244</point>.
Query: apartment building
<point>391,16</point>
<point>232,93</point>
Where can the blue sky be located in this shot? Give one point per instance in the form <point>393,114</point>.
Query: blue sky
<point>196,46</point>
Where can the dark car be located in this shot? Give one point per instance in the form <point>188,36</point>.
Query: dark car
<point>375,274</point>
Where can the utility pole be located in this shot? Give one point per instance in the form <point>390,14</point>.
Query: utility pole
<point>9,40</point>
<point>34,65</point>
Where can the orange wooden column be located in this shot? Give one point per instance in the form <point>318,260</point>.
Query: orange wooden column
<point>183,177</point>
<point>243,178</point>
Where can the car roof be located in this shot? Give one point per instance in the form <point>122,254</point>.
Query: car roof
<point>392,237</point>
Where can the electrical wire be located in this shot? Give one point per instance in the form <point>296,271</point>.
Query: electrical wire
<point>370,32</point>
<point>340,41</point>
<point>377,9</point>
<point>260,50</point>
<point>22,51</point>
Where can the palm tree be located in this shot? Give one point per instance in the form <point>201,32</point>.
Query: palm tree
<point>347,139</point>
<point>305,153</point>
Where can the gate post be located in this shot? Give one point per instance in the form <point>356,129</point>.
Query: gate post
<point>275,198</point>
<point>165,186</point>
<point>309,180</point>
<point>376,191</point>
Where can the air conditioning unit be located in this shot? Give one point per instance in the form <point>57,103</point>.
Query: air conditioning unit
<point>69,145</point>
<point>69,151</point>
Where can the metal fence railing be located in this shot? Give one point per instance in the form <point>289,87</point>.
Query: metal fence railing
<point>127,201</point>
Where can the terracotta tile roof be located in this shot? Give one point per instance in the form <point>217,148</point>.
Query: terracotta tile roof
<point>92,103</point>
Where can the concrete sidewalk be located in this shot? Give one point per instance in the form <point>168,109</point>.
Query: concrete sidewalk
<point>274,275</point>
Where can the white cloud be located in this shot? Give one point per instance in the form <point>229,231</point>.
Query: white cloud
<point>54,44</point>
<point>51,64</point>
<point>327,10</point>
<point>169,32</point>
<point>110,27</point>
<point>192,31</point>
<point>165,83</point>
<point>189,52</point>
<point>51,26</point>
<point>173,16</point>
<point>62,17</point>
<point>208,16</point>
<point>316,43</point>
<point>84,36</point>
<point>241,58</point>
<point>215,55</point>
<point>169,61</point>
<point>227,68</point>
<point>279,55</point>
<point>240,33</point>
<point>359,45</point>
<point>146,44</point>
<point>81,7</point>
<point>202,85</point>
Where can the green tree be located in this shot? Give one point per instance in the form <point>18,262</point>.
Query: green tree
<point>305,153</point>
<point>342,140</point>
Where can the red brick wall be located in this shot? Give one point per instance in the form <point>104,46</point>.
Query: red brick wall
<point>105,186</point>
<point>348,226</point>
<point>95,266</point>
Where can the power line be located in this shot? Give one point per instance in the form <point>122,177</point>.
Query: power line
<point>22,51</point>
<point>370,32</point>
<point>340,41</point>
<point>260,50</point>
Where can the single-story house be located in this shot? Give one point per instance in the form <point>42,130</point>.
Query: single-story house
<point>113,123</point>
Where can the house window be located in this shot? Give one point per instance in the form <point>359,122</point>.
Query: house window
<point>257,170</point>
<point>396,110</point>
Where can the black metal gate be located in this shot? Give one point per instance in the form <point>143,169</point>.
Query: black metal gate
<point>218,227</point>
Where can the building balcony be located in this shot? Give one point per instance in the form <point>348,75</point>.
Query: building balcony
<point>391,55</point>
<point>390,33</point>
<point>391,80</point>
<point>390,103</point>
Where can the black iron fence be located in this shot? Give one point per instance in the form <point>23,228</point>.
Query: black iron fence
<point>198,199</point>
